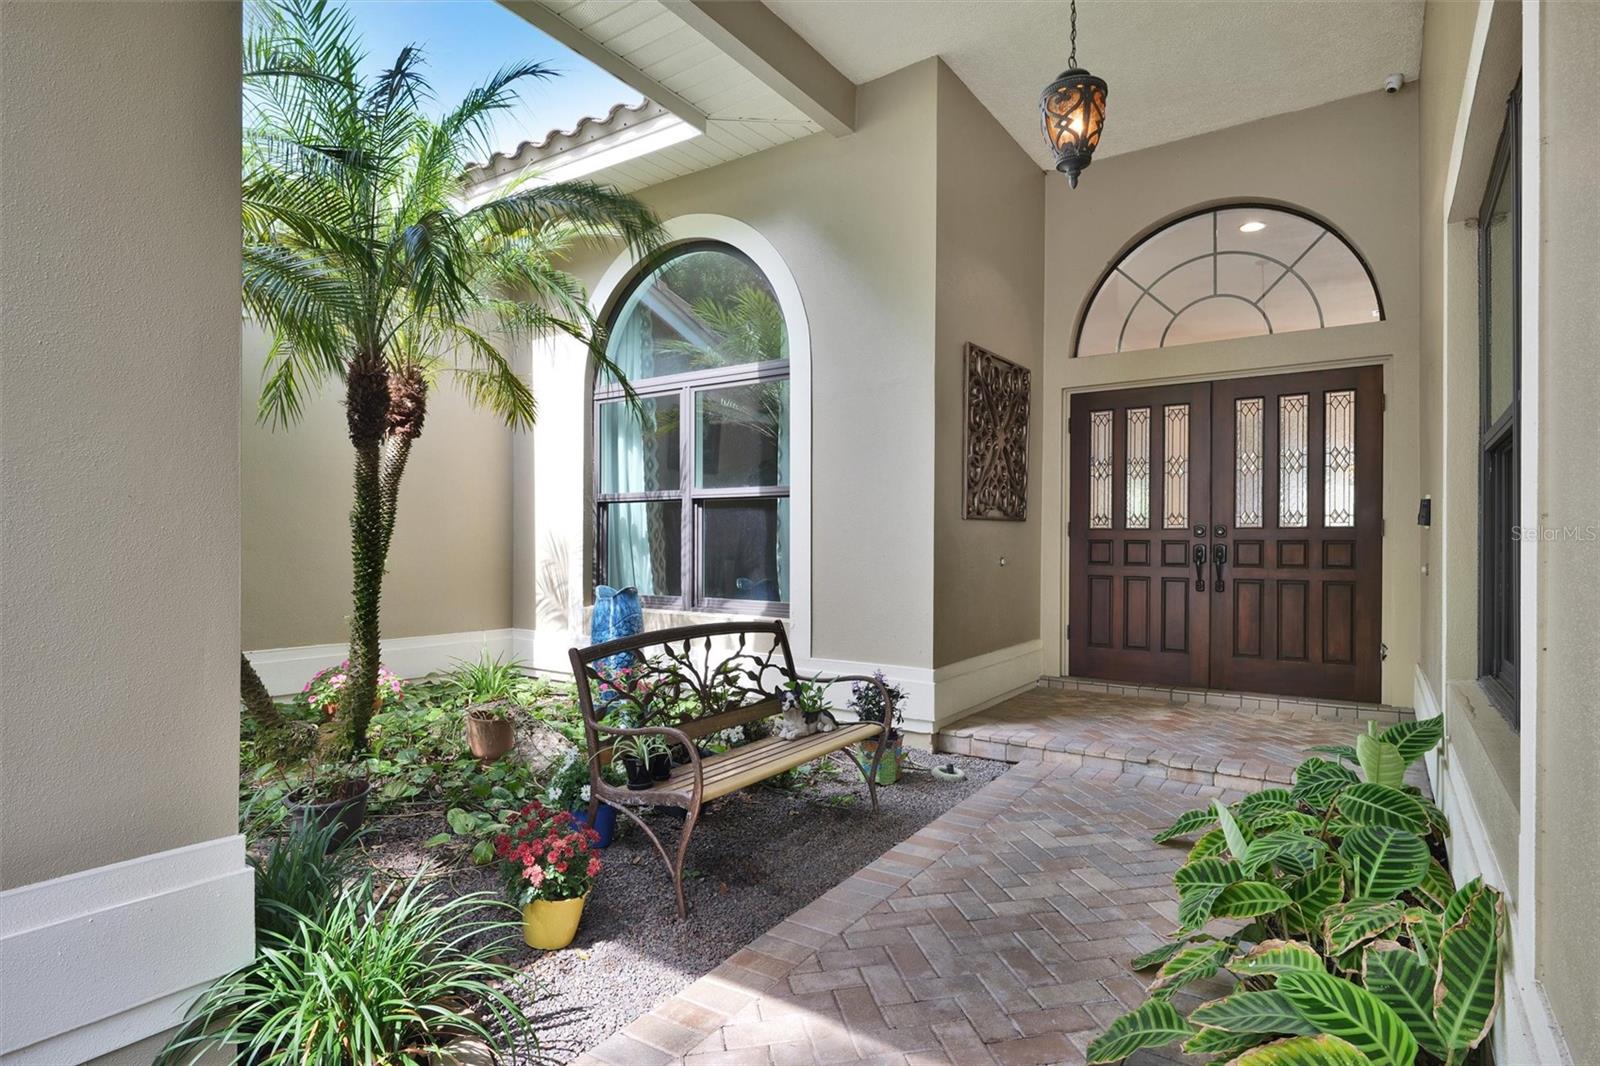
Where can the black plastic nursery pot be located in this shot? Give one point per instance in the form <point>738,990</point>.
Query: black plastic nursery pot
<point>348,810</point>
<point>638,773</point>
<point>661,766</point>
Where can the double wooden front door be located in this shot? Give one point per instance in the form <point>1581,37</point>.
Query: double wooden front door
<point>1229,534</point>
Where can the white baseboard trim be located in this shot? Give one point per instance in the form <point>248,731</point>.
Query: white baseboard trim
<point>286,670</point>
<point>95,961</point>
<point>937,697</point>
<point>1527,1031</point>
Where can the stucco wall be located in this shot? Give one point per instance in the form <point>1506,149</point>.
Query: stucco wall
<point>990,292</point>
<point>1353,163</point>
<point>119,454</point>
<point>450,562</point>
<point>853,219</point>
<point>1568,740</point>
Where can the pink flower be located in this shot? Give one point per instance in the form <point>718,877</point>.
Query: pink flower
<point>594,866</point>
<point>535,875</point>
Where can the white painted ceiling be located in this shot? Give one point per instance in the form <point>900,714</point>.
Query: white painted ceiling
<point>1176,68</point>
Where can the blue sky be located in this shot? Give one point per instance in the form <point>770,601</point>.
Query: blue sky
<point>466,41</point>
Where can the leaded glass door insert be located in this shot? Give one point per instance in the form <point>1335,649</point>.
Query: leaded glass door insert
<point>1229,534</point>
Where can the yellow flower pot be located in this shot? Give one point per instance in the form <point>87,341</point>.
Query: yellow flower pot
<point>550,924</point>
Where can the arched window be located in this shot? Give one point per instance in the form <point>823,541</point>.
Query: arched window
<point>1230,272</point>
<point>692,485</point>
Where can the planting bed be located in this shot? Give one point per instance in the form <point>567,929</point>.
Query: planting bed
<point>756,857</point>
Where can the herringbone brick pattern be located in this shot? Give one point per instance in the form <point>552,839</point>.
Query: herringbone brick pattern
<point>1225,743</point>
<point>1000,933</point>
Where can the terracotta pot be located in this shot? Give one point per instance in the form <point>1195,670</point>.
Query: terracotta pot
<point>550,924</point>
<point>489,737</point>
<point>348,809</point>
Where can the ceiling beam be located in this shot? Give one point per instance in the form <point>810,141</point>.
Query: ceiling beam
<point>766,46</point>
<point>543,18</point>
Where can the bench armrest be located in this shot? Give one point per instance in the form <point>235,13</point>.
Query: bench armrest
<point>883,690</point>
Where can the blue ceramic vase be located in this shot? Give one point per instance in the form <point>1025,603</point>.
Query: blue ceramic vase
<point>605,822</point>
<point>617,613</point>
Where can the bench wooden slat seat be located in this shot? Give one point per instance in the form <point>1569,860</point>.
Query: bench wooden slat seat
<point>755,762</point>
<point>734,674</point>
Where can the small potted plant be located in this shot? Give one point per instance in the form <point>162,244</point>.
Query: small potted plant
<point>644,758</point>
<point>332,794</point>
<point>488,688</point>
<point>867,700</point>
<point>549,866</point>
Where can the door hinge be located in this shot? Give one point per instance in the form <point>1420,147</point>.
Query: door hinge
<point>1383,405</point>
<point>1069,527</point>
<point>1383,527</point>
<point>1069,630</point>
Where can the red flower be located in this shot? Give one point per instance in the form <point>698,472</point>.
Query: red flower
<point>594,866</point>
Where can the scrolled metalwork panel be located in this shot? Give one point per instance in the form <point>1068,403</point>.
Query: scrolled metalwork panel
<point>1292,507</point>
<point>1100,470</point>
<point>1137,509</point>
<point>1175,467</point>
<point>996,436</point>
<point>1339,458</point>
<point>1247,462</point>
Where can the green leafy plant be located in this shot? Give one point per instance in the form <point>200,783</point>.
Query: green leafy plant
<point>1355,947</point>
<point>867,700</point>
<point>492,684</point>
<point>640,747</point>
<point>389,976</point>
<point>298,878</point>
<point>374,273</point>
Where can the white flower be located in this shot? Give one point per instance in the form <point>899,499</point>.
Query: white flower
<point>584,794</point>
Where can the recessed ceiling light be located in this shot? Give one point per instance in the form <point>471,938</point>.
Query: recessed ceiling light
<point>1252,227</point>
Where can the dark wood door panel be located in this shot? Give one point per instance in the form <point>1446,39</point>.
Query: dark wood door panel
<point>1134,613</point>
<point>1297,495</point>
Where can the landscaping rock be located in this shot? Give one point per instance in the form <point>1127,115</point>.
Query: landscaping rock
<point>541,747</point>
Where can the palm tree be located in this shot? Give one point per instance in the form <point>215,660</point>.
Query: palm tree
<point>369,267</point>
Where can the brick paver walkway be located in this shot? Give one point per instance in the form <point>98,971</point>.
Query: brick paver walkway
<point>1000,933</point>
<point>1207,738</point>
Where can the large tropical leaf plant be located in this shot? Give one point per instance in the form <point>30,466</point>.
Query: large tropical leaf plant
<point>374,270</point>
<point>1349,941</point>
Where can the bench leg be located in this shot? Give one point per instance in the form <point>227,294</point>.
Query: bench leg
<point>674,869</point>
<point>868,771</point>
<point>689,819</point>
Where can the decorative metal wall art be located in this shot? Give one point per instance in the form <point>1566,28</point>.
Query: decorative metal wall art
<point>996,437</point>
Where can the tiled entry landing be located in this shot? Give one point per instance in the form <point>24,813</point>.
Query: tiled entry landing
<point>1208,738</point>
<point>999,933</point>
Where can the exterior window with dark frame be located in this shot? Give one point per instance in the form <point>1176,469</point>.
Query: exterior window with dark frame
<point>1499,328</point>
<point>692,482</point>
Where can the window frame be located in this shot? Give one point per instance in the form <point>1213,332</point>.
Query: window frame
<point>685,386</point>
<point>1114,267</point>
<point>1500,442</point>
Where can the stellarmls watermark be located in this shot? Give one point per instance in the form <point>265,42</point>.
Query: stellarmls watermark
<point>1546,534</point>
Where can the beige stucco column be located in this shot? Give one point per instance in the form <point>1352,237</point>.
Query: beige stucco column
<point>123,886</point>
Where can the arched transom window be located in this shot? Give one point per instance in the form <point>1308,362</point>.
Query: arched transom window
<point>692,484</point>
<point>1231,272</point>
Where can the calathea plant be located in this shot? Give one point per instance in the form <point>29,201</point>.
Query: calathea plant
<point>1349,942</point>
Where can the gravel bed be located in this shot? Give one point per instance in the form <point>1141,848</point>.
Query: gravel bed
<point>756,857</point>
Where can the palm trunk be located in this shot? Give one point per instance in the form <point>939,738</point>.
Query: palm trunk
<point>366,412</point>
<point>258,705</point>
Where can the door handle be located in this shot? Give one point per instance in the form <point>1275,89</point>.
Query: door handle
<point>1199,567</point>
<point>1219,553</point>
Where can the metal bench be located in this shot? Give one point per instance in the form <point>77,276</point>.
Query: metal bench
<point>732,674</point>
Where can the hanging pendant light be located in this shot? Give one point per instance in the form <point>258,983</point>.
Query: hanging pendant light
<point>1073,109</point>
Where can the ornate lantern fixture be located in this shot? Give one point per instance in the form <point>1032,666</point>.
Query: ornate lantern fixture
<point>1073,109</point>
